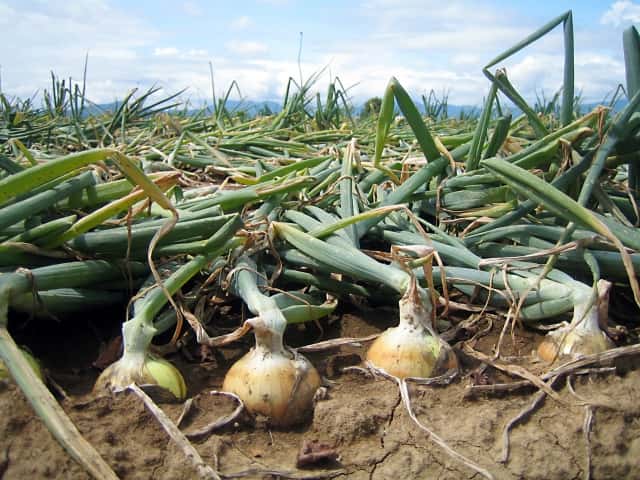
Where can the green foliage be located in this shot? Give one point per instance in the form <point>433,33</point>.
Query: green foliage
<point>371,107</point>
<point>436,108</point>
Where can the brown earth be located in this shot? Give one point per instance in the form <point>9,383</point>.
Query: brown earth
<point>361,419</point>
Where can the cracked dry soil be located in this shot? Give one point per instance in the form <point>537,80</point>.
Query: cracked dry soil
<point>362,418</point>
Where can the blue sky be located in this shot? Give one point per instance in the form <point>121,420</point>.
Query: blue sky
<point>440,45</point>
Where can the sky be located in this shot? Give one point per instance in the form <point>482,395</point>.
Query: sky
<point>440,45</point>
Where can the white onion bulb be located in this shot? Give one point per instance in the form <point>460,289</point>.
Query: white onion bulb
<point>413,348</point>
<point>271,380</point>
<point>583,335</point>
<point>142,369</point>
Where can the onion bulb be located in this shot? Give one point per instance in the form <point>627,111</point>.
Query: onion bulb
<point>142,369</point>
<point>583,335</point>
<point>272,380</point>
<point>413,348</point>
<point>138,365</point>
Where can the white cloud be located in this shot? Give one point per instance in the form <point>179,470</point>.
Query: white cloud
<point>6,12</point>
<point>241,23</point>
<point>173,52</point>
<point>594,75</point>
<point>537,72</point>
<point>467,59</point>
<point>544,72</point>
<point>467,40</point>
<point>425,44</point>
<point>444,14</point>
<point>621,12</point>
<point>447,49</point>
<point>166,52</point>
<point>246,47</point>
<point>45,36</point>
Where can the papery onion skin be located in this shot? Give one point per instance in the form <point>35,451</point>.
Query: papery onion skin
<point>404,352</point>
<point>275,386</point>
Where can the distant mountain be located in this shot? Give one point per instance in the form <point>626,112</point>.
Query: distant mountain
<point>619,105</point>
<point>254,107</point>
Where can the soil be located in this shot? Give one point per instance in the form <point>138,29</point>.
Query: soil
<point>360,428</point>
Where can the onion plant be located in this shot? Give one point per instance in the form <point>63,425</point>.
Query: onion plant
<point>272,380</point>
<point>413,348</point>
<point>138,364</point>
<point>75,274</point>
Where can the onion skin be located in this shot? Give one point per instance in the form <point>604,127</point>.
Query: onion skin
<point>404,352</point>
<point>166,375</point>
<point>278,385</point>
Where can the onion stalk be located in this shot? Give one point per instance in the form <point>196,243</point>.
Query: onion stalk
<point>33,362</point>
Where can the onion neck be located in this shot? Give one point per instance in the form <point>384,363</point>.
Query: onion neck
<point>133,360</point>
<point>137,334</point>
<point>589,306</point>
<point>269,332</point>
<point>269,323</point>
<point>416,309</point>
<point>585,316</point>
